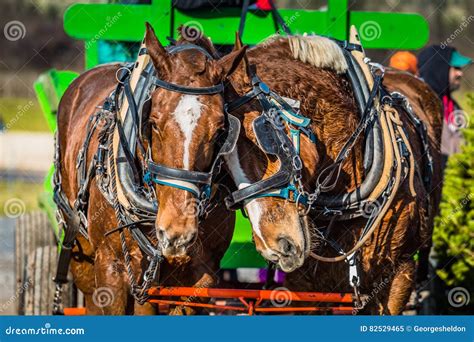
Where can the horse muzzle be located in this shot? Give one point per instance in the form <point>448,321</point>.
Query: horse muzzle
<point>175,247</point>
<point>287,255</point>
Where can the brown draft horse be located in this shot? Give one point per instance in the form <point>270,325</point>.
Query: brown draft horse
<point>181,130</point>
<point>310,70</point>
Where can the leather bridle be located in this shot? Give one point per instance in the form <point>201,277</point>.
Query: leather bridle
<point>196,182</point>
<point>269,129</point>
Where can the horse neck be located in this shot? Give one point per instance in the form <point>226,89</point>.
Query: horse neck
<point>325,97</point>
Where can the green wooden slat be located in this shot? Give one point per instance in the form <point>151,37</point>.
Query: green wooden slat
<point>92,53</point>
<point>96,21</point>
<point>115,21</point>
<point>380,30</point>
<point>222,30</point>
<point>49,88</point>
<point>337,21</point>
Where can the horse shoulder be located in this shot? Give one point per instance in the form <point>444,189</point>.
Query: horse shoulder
<point>78,103</point>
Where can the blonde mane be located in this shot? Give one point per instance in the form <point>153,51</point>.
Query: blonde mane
<point>318,51</point>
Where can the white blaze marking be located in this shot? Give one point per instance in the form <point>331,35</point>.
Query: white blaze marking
<point>187,114</point>
<point>254,209</point>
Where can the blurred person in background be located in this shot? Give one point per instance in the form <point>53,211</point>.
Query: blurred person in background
<point>404,61</point>
<point>442,68</point>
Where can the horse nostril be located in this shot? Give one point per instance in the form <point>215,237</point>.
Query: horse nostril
<point>166,239</point>
<point>287,247</point>
<point>161,234</point>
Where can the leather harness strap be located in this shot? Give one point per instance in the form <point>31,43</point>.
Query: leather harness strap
<point>216,89</point>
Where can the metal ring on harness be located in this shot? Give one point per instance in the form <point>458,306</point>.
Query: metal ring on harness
<point>121,71</point>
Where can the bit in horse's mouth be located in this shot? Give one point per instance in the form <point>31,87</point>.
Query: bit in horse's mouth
<point>178,260</point>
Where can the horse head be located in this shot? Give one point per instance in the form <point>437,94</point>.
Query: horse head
<point>187,126</point>
<point>263,169</point>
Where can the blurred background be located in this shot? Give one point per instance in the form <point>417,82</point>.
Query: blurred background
<point>26,144</point>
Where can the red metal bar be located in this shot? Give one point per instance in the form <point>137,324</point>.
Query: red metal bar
<point>74,311</point>
<point>199,305</point>
<point>346,309</point>
<point>251,310</point>
<point>251,294</point>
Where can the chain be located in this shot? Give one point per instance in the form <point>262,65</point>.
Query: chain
<point>139,292</point>
<point>298,182</point>
<point>203,204</point>
<point>58,301</point>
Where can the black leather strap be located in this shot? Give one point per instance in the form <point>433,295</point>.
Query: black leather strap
<point>280,179</point>
<point>278,19</point>
<point>178,48</point>
<point>258,88</point>
<point>241,101</point>
<point>219,88</point>
<point>126,149</point>
<point>243,17</point>
<point>348,46</point>
<point>63,265</point>
<point>179,174</point>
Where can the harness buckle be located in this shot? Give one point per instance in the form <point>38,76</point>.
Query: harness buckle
<point>354,278</point>
<point>297,163</point>
<point>264,88</point>
<point>387,100</point>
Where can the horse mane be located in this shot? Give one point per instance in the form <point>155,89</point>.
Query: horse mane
<point>317,51</point>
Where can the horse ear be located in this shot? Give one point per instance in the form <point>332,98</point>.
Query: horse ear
<point>238,42</point>
<point>157,52</point>
<point>231,63</point>
<point>243,67</point>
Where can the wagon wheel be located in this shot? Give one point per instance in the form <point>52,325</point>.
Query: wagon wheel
<point>36,257</point>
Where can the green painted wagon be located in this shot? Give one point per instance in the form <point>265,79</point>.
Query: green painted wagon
<point>113,30</point>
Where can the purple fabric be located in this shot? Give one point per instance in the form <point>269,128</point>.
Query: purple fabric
<point>279,275</point>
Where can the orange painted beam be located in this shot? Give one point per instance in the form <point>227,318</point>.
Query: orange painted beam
<point>74,311</point>
<point>276,295</point>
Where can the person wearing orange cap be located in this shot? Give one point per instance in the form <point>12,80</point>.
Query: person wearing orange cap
<point>405,61</point>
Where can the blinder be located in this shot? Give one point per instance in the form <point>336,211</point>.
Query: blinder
<point>266,135</point>
<point>233,132</point>
<point>272,138</point>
